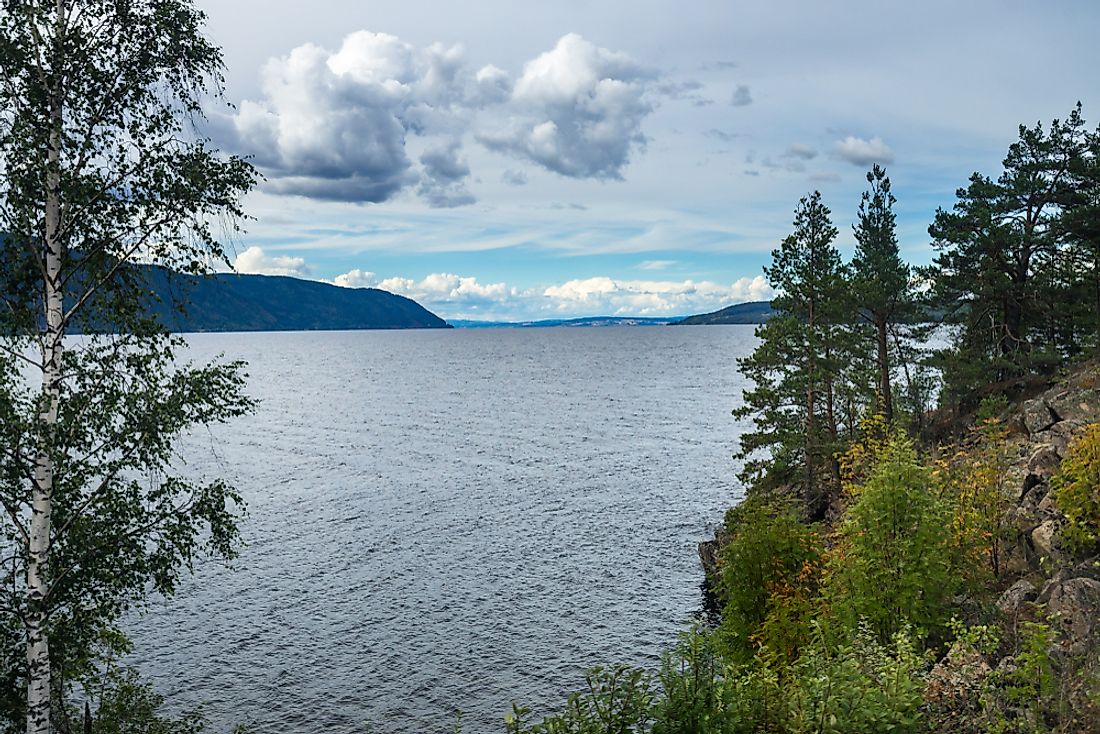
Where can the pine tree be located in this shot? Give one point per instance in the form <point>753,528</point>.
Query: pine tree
<point>797,367</point>
<point>996,275</point>
<point>880,278</point>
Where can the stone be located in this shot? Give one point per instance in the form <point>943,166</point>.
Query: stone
<point>1061,434</point>
<point>1047,506</point>
<point>1074,606</point>
<point>956,682</point>
<point>1016,596</point>
<point>1044,539</point>
<point>1037,416</point>
<point>1044,461</point>
<point>1080,405</point>
<point>1016,558</point>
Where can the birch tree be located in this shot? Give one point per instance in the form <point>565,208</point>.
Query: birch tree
<point>103,174</point>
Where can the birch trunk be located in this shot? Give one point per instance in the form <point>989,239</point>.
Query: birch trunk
<point>38,551</point>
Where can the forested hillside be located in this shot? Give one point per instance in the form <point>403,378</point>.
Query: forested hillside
<point>918,546</point>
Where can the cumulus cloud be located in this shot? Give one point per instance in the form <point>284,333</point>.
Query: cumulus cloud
<point>860,152</point>
<point>254,261</point>
<point>443,183</point>
<point>742,96</point>
<point>335,125</point>
<point>356,279</point>
<point>493,84</point>
<point>604,295</point>
<point>457,294</point>
<point>577,110</point>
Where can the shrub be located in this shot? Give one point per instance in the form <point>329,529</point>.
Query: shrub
<point>974,484</point>
<point>889,566</point>
<point>770,573</point>
<point>1077,491</point>
<point>863,687</point>
<point>617,701</point>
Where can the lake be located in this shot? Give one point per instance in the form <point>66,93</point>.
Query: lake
<point>449,520</point>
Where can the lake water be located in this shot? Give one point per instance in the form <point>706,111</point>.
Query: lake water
<point>450,520</point>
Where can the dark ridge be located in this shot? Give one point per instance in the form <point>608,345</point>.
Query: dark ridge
<point>753,312</point>
<point>231,302</point>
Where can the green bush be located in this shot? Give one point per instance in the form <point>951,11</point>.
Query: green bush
<point>862,687</point>
<point>770,573</point>
<point>701,694</point>
<point>1077,491</point>
<point>617,701</point>
<point>890,566</point>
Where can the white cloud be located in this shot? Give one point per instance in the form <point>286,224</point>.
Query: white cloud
<point>577,110</point>
<point>254,261</point>
<point>335,125</point>
<point>493,84</point>
<point>332,126</point>
<point>860,152</point>
<point>356,279</point>
<point>456,294</point>
<point>656,264</point>
<point>604,295</point>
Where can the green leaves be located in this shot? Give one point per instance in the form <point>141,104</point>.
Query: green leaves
<point>1016,260</point>
<point>890,567</point>
<point>103,168</point>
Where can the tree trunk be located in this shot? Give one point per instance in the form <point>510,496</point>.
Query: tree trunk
<point>809,494</point>
<point>830,417</point>
<point>884,387</point>
<point>38,550</point>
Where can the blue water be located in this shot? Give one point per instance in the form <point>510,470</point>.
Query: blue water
<point>449,520</point>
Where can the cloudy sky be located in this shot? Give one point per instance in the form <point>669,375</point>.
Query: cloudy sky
<point>505,159</point>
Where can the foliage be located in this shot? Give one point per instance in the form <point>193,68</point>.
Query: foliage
<point>796,370</point>
<point>880,278</point>
<point>861,687</point>
<point>122,704</point>
<point>1002,275</point>
<point>701,693</point>
<point>102,168</point>
<point>1077,491</point>
<point>863,455</point>
<point>974,481</point>
<point>770,572</point>
<point>617,701</point>
<point>889,567</point>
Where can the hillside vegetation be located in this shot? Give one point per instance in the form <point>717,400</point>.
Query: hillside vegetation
<point>918,548</point>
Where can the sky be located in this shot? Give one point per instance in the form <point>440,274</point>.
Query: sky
<point>516,160</point>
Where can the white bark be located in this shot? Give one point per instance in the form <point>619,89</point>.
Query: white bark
<point>38,550</point>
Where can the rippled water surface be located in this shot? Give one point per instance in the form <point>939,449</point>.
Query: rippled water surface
<point>444,520</point>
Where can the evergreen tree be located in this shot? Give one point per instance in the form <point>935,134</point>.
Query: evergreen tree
<point>880,278</point>
<point>797,366</point>
<point>101,168</point>
<point>996,276</point>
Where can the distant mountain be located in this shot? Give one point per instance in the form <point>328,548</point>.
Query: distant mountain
<point>231,302</point>
<point>584,321</point>
<point>753,312</point>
